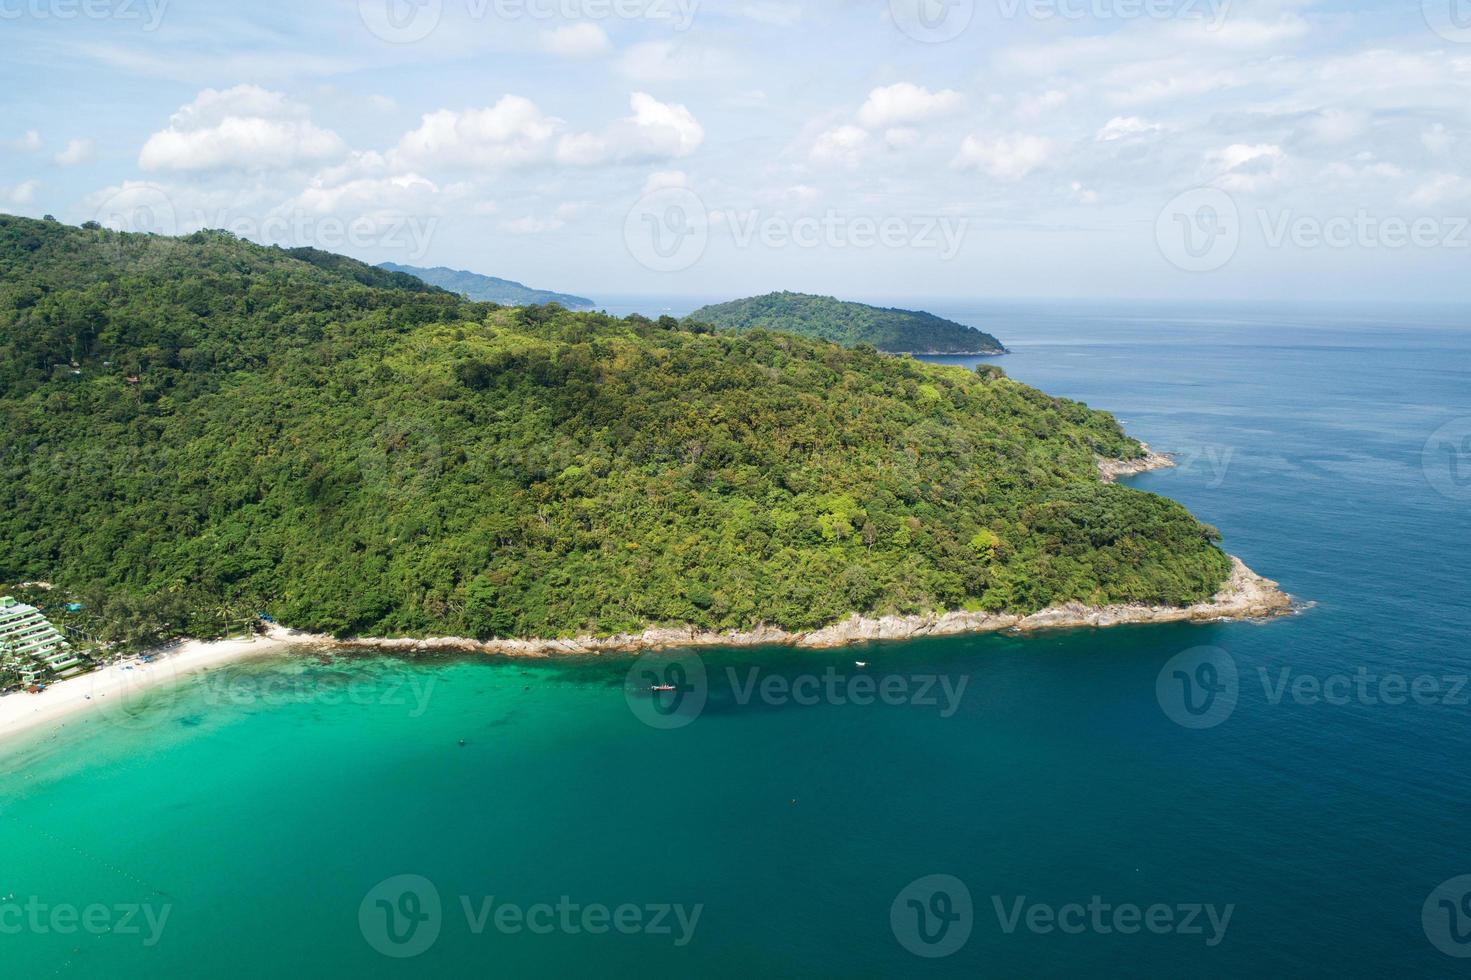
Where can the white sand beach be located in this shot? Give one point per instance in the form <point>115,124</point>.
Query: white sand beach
<point>72,700</point>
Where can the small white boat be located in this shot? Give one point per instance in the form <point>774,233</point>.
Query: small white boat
<point>860,663</point>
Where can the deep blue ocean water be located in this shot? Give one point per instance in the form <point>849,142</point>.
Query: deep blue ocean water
<point>270,810</point>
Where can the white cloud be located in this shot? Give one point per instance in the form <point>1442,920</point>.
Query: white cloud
<point>243,128</point>
<point>402,190</point>
<point>30,142</point>
<point>513,132</point>
<point>1008,157</point>
<point>23,193</point>
<point>845,145</point>
<point>1336,126</point>
<point>1243,167</point>
<point>77,151</point>
<point>582,40</point>
<point>1439,189</point>
<point>656,130</point>
<point>1082,194</point>
<point>1436,139</point>
<point>1126,127</point>
<point>901,138</point>
<point>905,103</point>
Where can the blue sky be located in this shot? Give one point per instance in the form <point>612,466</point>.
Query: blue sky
<point>953,148</point>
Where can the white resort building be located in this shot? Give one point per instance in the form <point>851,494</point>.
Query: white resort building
<point>30,645</point>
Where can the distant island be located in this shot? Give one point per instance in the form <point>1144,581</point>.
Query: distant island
<point>196,430</point>
<point>489,289</point>
<point>850,324</point>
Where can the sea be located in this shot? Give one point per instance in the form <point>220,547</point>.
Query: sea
<point>1283,798</point>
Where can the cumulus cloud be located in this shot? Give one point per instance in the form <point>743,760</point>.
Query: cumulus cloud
<point>905,103</point>
<point>242,128</point>
<point>515,132</point>
<point>29,142</point>
<point>582,40</point>
<point>398,190</point>
<point>76,152</point>
<point>656,130</point>
<point>512,132</point>
<point>1008,157</point>
<point>846,145</point>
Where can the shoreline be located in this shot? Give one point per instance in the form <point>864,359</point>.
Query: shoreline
<point>81,699</point>
<point>1113,470</point>
<point>1245,596</point>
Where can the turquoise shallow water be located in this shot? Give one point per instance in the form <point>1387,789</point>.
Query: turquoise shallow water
<point>257,814</point>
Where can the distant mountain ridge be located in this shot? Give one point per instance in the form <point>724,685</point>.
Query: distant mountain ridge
<point>489,289</point>
<point>891,330</point>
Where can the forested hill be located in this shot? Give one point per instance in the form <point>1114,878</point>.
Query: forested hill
<point>195,429</point>
<point>488,288</point>
<point>849,324</point>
